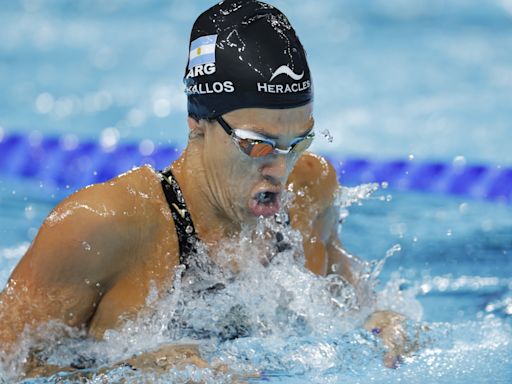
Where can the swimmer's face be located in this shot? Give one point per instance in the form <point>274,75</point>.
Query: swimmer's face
<point>246,187</point>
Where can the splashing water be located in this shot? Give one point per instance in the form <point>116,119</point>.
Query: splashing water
<point>217,306</point>
<point>346,196</point>
<point>252,308</point>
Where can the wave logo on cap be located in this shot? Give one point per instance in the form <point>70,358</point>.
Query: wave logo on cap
<point>297,86</point>
<point>202,51</point>
<point>285,70</point>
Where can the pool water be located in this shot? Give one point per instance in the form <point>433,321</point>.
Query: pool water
<point>393,79</point>
<point>451,276</point>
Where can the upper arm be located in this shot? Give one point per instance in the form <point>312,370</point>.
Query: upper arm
<point>313,211</point>
<point>71,262</point>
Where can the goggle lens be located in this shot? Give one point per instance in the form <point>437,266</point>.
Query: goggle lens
<point>303,144</point>
<point>262,148</point>
<point>256,148</point>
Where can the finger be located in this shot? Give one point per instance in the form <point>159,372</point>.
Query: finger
<point>392,360</point>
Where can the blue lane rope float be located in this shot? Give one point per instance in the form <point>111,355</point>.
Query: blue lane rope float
<point>49,161</point>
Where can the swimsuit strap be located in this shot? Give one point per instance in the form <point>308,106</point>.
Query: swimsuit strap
<point>185,230</point>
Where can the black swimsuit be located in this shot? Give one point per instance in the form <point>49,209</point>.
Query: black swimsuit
<point>187,237</point>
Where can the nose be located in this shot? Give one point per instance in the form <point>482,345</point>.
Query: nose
<point>275,169</point>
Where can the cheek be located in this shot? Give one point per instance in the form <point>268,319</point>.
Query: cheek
<point>242,175</point>
<point>218,153</point>
<point>233,170</point>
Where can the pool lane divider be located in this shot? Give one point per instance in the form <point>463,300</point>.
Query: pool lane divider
<point>51,162</point>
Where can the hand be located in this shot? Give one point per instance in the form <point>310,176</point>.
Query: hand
<point>159,361</point>
<point>389,327</point>
<point>162,359</point>
<point>179,356</point>
<point>168,356</point>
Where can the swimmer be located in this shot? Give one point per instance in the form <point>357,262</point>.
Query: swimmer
<point>250,118</point>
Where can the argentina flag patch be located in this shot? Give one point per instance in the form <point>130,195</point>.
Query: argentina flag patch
<point>202,51</point>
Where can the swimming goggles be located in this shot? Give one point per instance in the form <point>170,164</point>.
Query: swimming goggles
<point>254,146</point>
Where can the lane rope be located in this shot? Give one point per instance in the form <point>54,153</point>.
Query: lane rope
<point>50,160</point>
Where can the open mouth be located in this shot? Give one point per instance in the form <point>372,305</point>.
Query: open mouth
<point>265,203</point>
<point>266,197</point>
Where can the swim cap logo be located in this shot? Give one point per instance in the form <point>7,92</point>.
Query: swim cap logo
<point>285,70</point>
<point>285,88</point>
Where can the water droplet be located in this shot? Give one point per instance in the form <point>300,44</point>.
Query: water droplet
<point>384,184</point>
<point>449,232</point>
<point>86,245</point>
<point>29,212</point>
<point>189,229</point>
<point>109,138</point>
<point>463,208</point>
<point>45,103</point>
<point>459,161</point>
<point>394,249</point>
<point>146,147</point>
<point>327,135</point>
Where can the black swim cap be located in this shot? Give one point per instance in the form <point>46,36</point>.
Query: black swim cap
<point>244,53</point>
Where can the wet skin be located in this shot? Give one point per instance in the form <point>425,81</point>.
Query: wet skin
<point>100,251</point>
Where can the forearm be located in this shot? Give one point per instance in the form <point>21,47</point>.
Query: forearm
<point>341,262</point>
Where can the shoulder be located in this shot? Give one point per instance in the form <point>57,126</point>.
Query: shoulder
<point>113,214</point>
<point>314,183</point>
<point>120,195</point>
<point>97,231</point>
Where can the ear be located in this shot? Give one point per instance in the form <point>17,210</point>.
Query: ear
<point>196,127</point>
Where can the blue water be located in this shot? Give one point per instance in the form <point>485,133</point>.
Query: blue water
<point>455,262</point>
<point>395,78</point>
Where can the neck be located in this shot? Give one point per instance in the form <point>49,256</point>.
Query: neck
<point>210,222</point>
